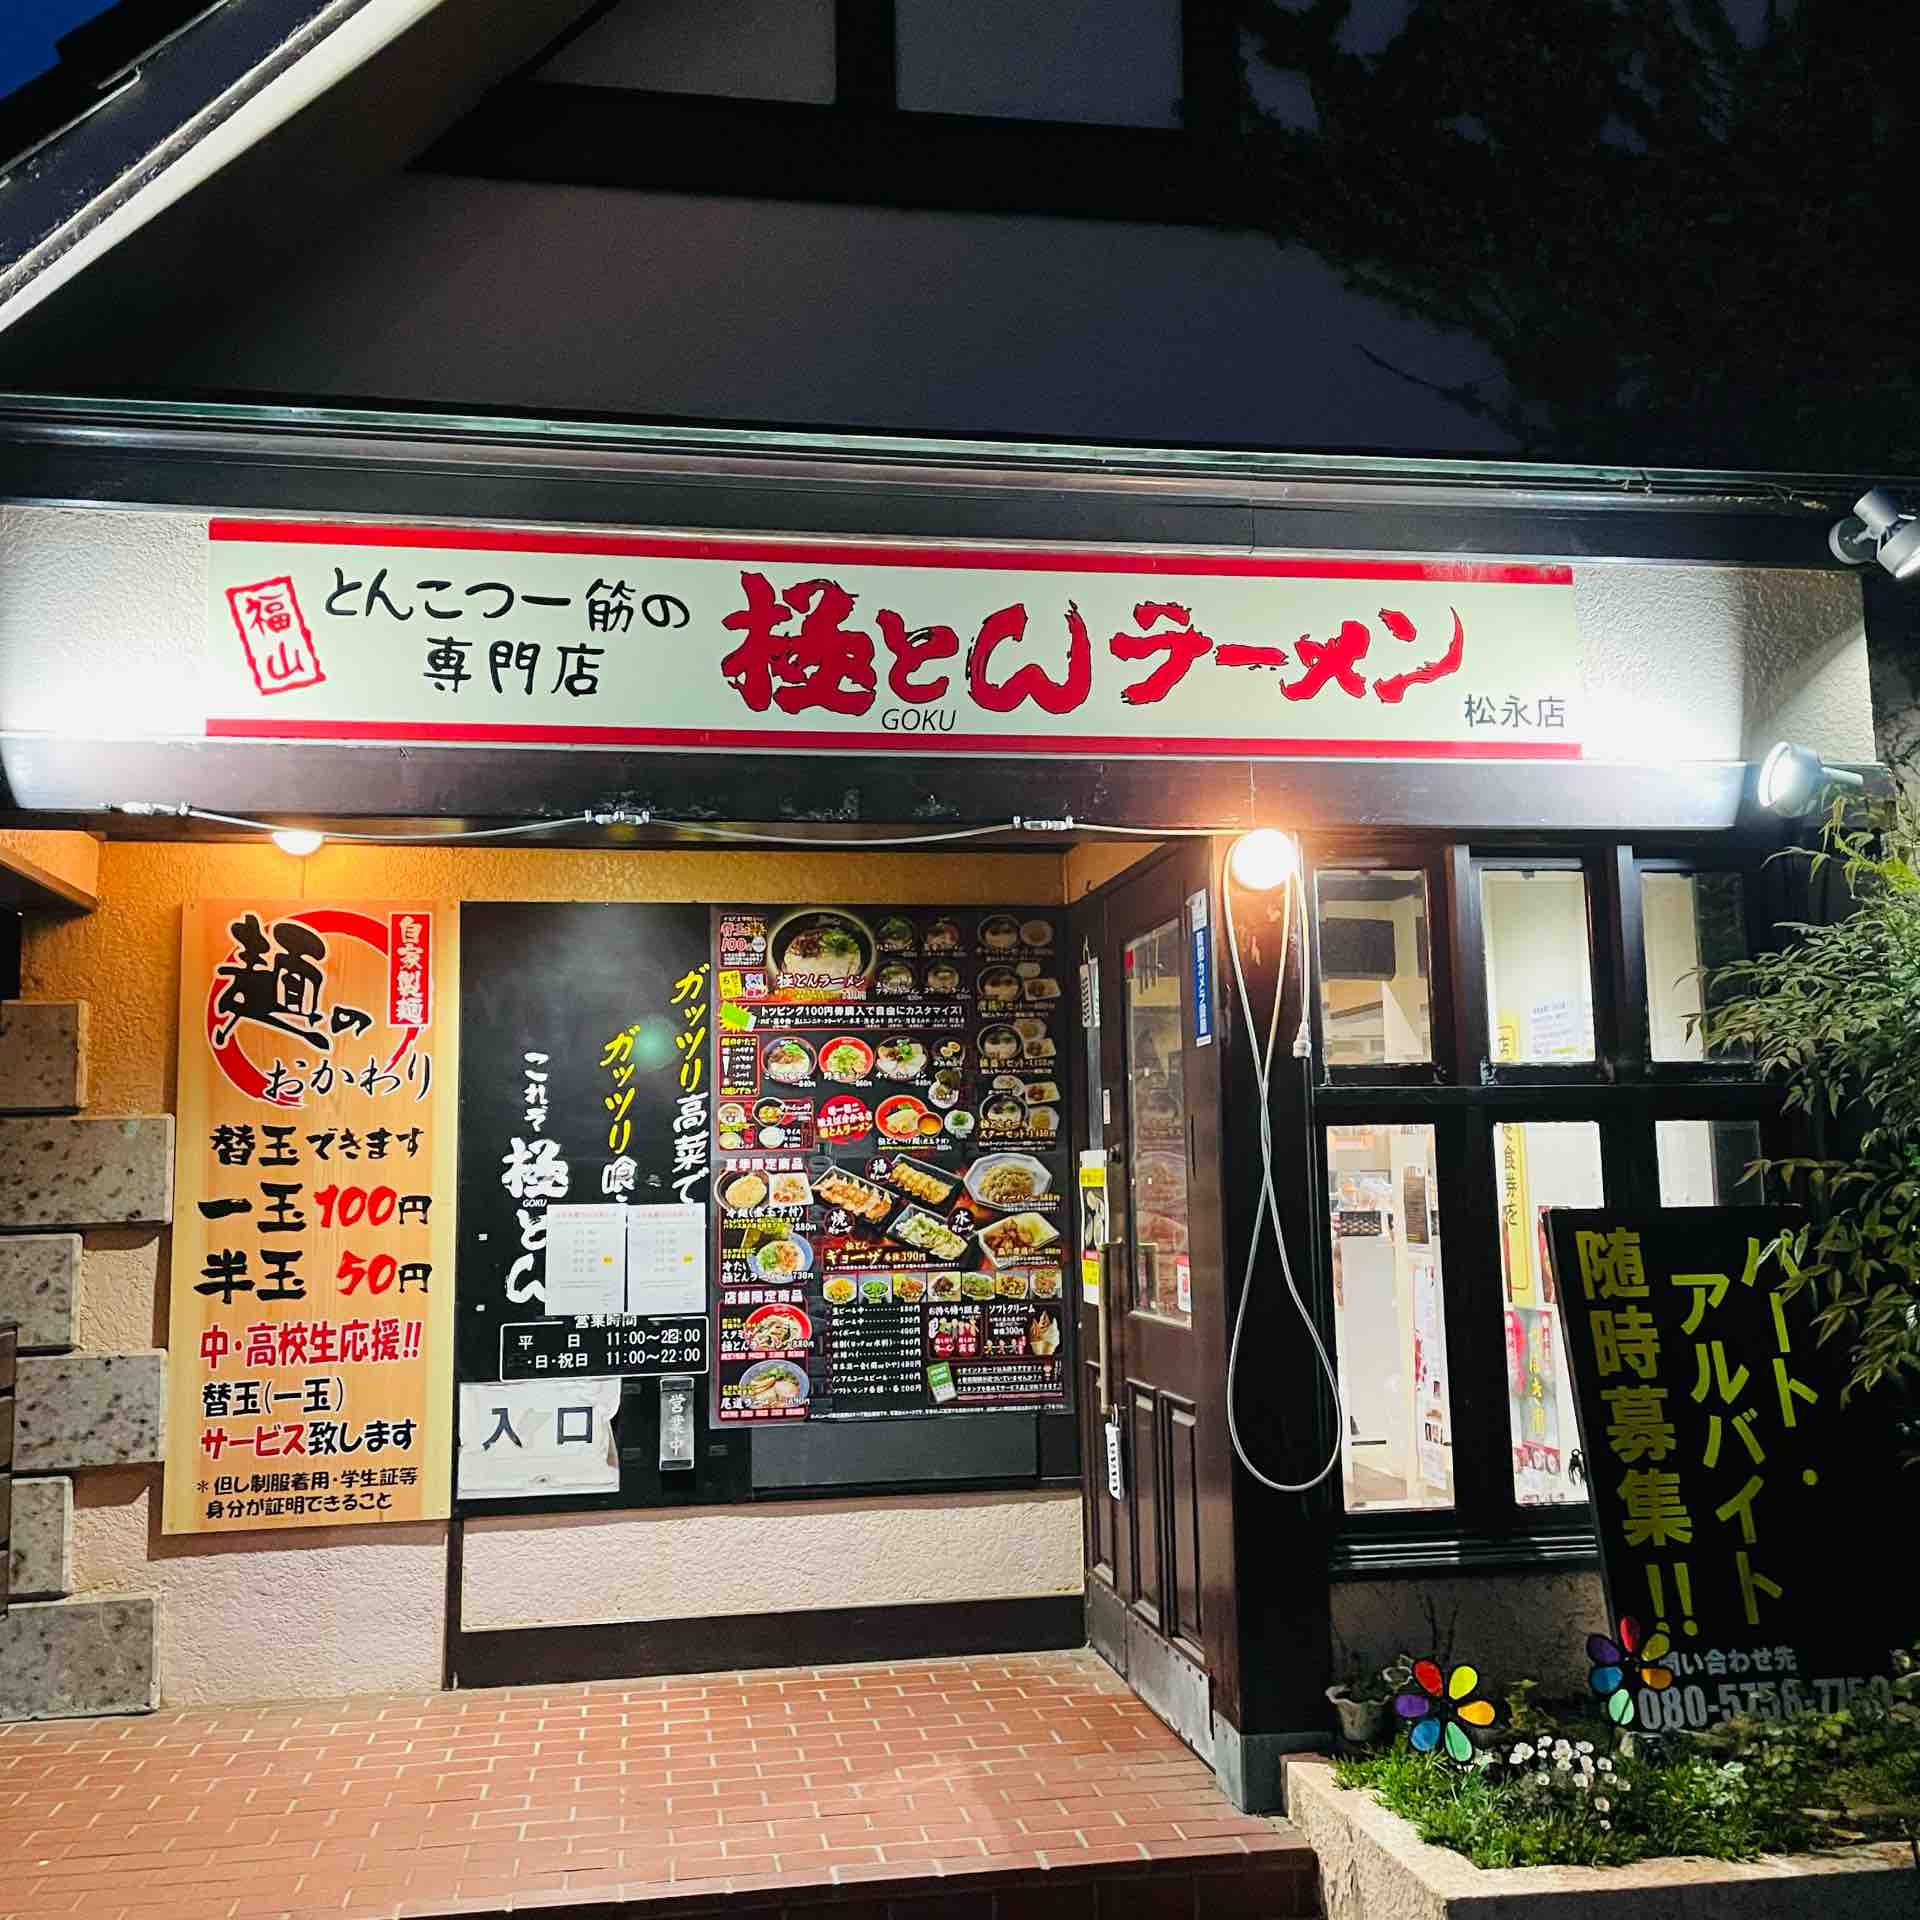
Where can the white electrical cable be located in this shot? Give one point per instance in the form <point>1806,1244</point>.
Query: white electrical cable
<point>802,840</point>
<point>642,817</point>
<point>1269,1202</point>
<point>386,839</point>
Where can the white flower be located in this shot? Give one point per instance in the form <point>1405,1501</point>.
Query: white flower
<point>1623,1786</point>
<point>1539,1779</point>
<point>1520,1755</point>
<point>1607,1825</point>
<point>1602,1804</point>
<point>1585,1746</point>
<point>1562,1766</point>
<point>1605,1765</point>
<point>1562,1748</point>
<point>1586,1765</point>
<point>1586,1782</point>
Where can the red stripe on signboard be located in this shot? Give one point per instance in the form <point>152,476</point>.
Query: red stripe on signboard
<point>315,533</point>
<point>1052,745</point>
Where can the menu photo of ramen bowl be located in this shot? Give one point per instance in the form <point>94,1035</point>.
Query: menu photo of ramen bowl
<point>769,1384</point>
<point>787,1061</point>
<point>846,1058</point>
<point>821,949</point>
<point>776,1329</point>
<point>783,1259</point>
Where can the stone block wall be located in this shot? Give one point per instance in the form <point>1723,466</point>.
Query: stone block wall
<point>63,1653</point>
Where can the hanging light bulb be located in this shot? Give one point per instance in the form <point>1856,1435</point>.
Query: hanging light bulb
<point>298,841</point>
<point>1264,859</point>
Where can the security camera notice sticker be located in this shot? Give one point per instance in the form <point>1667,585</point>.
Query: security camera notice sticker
<point>1202,968</point>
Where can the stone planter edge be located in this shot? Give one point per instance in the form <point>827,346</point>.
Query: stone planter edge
<point>1373,1866</point>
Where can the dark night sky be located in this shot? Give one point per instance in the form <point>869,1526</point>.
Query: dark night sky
<point>28,29</point>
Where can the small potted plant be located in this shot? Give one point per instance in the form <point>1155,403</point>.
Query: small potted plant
<point>1364,1702</point>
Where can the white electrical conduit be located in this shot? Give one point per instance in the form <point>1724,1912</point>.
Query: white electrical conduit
<point>1268,1207</point>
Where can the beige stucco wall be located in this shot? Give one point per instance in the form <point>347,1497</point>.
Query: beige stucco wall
<point>770,1558</point>
<point>333,1611</point>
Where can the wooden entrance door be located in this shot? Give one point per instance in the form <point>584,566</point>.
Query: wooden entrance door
<point>1160,1556</point>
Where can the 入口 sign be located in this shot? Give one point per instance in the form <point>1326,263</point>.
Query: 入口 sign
<point>481,637</point>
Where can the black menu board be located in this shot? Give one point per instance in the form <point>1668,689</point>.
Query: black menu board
<point>583,1082</point>
<point>890,1163</point>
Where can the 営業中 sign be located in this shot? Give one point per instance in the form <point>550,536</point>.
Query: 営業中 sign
<point>483,636</point>
<point>310,1344</point>
<point>1739,1507</point>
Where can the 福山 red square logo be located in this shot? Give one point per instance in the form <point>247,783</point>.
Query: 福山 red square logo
<point>280,650</point>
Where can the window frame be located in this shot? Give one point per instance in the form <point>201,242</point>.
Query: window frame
<point>1462,1095</point>
<point>862,148</point>
<point>1442,1030</point>
<point>1757,882</point>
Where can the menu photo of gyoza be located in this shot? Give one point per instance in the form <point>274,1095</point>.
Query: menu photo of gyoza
<point>888,1125</point>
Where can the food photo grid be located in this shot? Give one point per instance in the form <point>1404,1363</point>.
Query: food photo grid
<point>890,1153</point>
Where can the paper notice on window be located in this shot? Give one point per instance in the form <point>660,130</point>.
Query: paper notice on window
<point>586,1260</point>
<point>1560,1027</point>
<point>666,1259</point>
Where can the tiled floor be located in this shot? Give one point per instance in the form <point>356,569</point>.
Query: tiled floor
<point>984,1789</point>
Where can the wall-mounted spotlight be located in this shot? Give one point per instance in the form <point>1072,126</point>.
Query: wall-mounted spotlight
<point>1263,859</point>
<point>1793,778</point>
<point>1879,528</point>
<point>299,841</point>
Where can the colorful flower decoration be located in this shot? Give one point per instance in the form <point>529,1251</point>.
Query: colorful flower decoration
<point>1437,1703</point>
<point>1619,1663</point>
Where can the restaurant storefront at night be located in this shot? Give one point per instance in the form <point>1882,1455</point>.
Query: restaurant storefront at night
<point>737,1137</point>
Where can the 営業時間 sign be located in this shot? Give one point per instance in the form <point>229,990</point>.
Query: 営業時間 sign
<point>1740,1509</point>
<point>310,1342</point>
<point>358,632</point>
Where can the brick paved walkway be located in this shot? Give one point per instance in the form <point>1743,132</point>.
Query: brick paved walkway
<point>989,1789</point>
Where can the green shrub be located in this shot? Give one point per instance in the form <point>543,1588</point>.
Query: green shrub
<point>1580,1793</point>
<point>1835,1018</point>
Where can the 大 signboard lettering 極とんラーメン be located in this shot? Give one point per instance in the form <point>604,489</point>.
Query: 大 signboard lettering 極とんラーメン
<point>490,637</point>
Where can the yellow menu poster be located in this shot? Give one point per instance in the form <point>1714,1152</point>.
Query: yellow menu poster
<point>1516,1210</point>
<point>311,1329</point>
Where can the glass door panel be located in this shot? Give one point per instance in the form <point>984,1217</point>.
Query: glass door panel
<point>1155,968</point>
